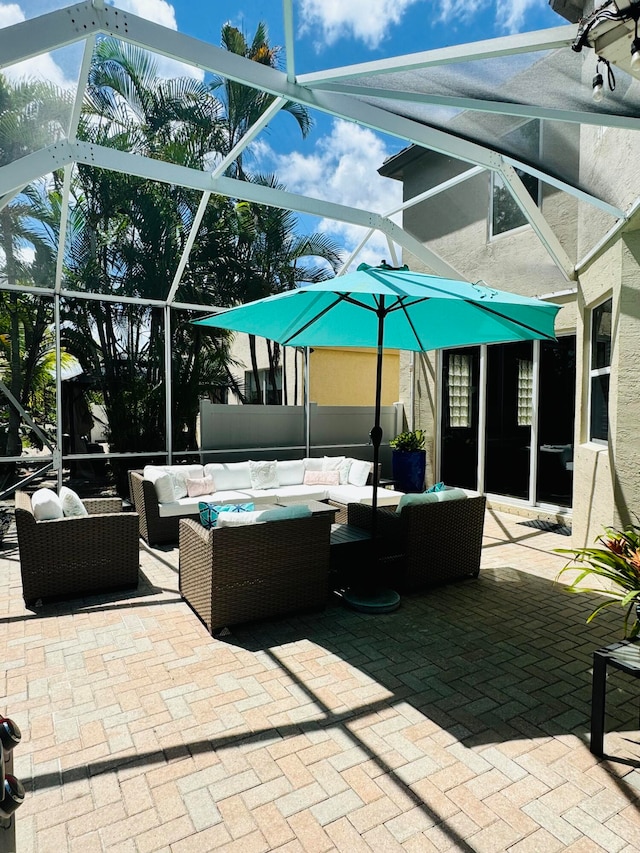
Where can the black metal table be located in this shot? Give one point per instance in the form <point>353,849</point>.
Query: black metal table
<point>624,656</point>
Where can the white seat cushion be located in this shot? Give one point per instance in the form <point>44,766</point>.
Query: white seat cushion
<point>261,496</point>
<point>363,495</point>
<point>296,494</point>
<point>190,505</point>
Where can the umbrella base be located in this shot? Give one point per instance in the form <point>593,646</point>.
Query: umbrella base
<point>378,601</point>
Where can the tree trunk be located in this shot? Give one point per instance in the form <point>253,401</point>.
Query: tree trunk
<point>14,443</point>
<point>254,367</point>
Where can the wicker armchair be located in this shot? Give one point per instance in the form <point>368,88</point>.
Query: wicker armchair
<point>79,555</point>
<point>427,544</point>
<point>153,529</point>
<point>231,575</point>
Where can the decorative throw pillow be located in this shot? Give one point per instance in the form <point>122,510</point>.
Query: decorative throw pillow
<point>209,512</point>
<point>264,475</point>
<point>321,478</point>
<point>430,497</point>
<point>359,472</point>
<point>239,519</point>
<point>344,469</point>
<point>437,487</point>
<point>200,486</point>
<point>71,503</point>
<point>46,505</point>
<point>283,513</point>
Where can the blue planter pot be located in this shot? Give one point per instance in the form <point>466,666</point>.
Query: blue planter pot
<point>408,469</point>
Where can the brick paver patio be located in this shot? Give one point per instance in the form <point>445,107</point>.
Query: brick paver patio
<point>459,722</point>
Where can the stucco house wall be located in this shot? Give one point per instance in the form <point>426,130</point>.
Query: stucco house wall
<point>606,489</point>
<point>340,376</point>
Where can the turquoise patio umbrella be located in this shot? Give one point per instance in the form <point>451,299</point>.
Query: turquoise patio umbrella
<point>393,308</point>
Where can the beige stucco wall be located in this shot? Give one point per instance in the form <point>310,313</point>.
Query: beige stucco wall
<point>607,476</point>
<point>347,377</point>
<point>337,377</point>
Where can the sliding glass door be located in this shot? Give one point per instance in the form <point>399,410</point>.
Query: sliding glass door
<point>497,403</point>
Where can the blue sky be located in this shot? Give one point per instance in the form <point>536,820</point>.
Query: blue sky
<point>339,160</point>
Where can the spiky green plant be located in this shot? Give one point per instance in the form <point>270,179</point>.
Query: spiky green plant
<point>409,440</point>
<point>617,561</point>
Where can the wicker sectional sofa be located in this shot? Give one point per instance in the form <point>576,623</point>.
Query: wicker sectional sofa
<point>235,482</point>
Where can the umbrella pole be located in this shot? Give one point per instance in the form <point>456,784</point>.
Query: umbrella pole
<point>379,599</point>
<point>376,433</point>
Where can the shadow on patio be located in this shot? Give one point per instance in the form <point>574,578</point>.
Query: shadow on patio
<point>459,722</point>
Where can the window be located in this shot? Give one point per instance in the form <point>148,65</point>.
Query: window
<point>505,215</point>
<point>600,371</point>
<point>459,390</point>
<point>270,396</point>
<point>525,392</point>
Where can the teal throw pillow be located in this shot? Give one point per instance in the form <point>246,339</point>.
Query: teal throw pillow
<point>209,512</point>
<point>437,487</point>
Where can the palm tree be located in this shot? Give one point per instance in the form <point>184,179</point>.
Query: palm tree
<point>32,115</point>
<point>271,257</point>
<point>245,105</point>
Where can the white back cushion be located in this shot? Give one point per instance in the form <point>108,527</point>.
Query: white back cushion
<point>313,463</point>
<point>179,475</point>
<point>229,475</point>
<point>359,472</point>
<point>46,505</point>
<point>162,481</point>
<point>290,472</point>
<point>71,503</point>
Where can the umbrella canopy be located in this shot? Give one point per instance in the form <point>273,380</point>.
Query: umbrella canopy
<point>393,308</point>
<point>419,312</point>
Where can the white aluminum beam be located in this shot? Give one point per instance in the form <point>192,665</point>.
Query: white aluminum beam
<point>539,224</point>
<point>84,20</point>
<point>289,39</point>
<point>62,230</point>
<point>549,39</point>
<point>581,195</point>
<point>145,167</point>
<point>439,188</point>
<point>18,174</point>
<point>48,293</point>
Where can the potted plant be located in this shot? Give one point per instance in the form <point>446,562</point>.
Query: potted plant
<point>408,460</point>
<point>616,560</point>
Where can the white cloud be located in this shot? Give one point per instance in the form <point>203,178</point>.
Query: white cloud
<point>342,168</point>
<point>510,15</point>
<point>367,20</point>
<point>370,21</point>
<point>41,67</point>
